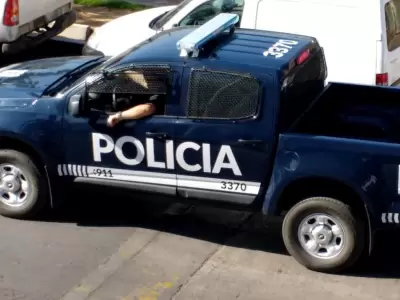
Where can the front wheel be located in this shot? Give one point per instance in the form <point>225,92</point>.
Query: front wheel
<point>323,235</point>
<point>23,189</point>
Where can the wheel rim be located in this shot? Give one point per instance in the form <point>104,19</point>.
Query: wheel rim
<point>14,185</point>
<point>321,236</point>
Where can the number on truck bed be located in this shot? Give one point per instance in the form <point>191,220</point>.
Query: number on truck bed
<point>280,48</point>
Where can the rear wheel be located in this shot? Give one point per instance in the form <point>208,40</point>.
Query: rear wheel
<point>323,234</point>
<point>23,189</point>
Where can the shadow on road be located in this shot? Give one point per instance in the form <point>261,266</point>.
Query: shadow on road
<point>233,228</point>
<point>210,224</point>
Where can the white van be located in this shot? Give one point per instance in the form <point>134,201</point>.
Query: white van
<point>361,38</point>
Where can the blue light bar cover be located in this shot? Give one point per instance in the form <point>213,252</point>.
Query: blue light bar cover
<point>193,42</point>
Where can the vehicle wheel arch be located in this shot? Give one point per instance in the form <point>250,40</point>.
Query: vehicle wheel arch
<point>13,142</point>
<point>299,189</point>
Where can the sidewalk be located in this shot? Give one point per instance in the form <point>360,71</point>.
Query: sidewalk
<point>156,264</point>
<point>97,16</point>
<point>155,3</point>
<point>91,17</point>
<point>217,254</point>
<point>88,18</point>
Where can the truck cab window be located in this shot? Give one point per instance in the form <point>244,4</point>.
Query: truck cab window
<point>164,19</point>
<point>220,95</point>
<point>124,89</point>
<point>306,82</point>
<point>210,9</point>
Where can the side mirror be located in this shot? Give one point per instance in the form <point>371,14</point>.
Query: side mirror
<point>74,105</point>
<point>174,25</point>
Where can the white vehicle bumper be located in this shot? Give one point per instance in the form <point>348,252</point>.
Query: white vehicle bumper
<point>16,39</point>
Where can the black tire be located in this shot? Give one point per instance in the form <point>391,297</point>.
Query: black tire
<point>38,195</point>
<point>353,237</point>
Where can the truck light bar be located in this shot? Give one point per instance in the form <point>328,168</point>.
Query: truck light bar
<point>194,41</point>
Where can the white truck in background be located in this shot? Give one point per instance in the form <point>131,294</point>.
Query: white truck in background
<point>27,23</point>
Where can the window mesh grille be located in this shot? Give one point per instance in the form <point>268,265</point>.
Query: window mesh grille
<point>135,80</point>
<point>220,95</point>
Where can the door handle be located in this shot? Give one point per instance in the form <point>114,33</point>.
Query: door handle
<point>157,135</point>
<point>250,142</point>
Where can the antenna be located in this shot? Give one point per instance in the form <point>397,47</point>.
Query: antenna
<point>192,43</point>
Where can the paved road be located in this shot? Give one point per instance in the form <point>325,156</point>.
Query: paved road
<point>106,249</point>
<point>99,247</point>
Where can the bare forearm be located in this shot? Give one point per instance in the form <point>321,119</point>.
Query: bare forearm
<point>137,112</point>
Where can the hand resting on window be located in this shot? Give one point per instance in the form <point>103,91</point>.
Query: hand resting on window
<point>134,113</point>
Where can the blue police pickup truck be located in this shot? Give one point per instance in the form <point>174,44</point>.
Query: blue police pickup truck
<point>244,120</point>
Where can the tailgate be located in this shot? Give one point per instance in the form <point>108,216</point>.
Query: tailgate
<point>31,10</point>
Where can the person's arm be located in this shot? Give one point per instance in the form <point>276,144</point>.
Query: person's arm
<point>137,112</point>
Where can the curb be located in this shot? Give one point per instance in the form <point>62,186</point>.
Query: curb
<point>76,33</point>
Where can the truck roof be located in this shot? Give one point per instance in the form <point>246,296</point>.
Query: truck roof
<point>244,46</point>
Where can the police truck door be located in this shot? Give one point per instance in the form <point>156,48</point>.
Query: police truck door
<point>221,143</point>
<point>134,153</point>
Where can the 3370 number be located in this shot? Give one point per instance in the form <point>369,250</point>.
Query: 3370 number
<point>102,173</point>
<point>280,48</point>
<point>233,186</point>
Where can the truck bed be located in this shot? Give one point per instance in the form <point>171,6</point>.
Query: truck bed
<point>353,111</point>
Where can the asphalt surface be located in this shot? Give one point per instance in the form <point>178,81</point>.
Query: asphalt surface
<point>101,247</point>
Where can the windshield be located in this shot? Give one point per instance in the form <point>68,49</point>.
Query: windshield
<point>114,60</point>
<point>98,68</point>
<point>70,78</point>
<point>159,24</point>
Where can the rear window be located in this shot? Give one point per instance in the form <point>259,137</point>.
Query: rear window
<point>305,82</point>
<point>222,95</point>
<point>392,16</point>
